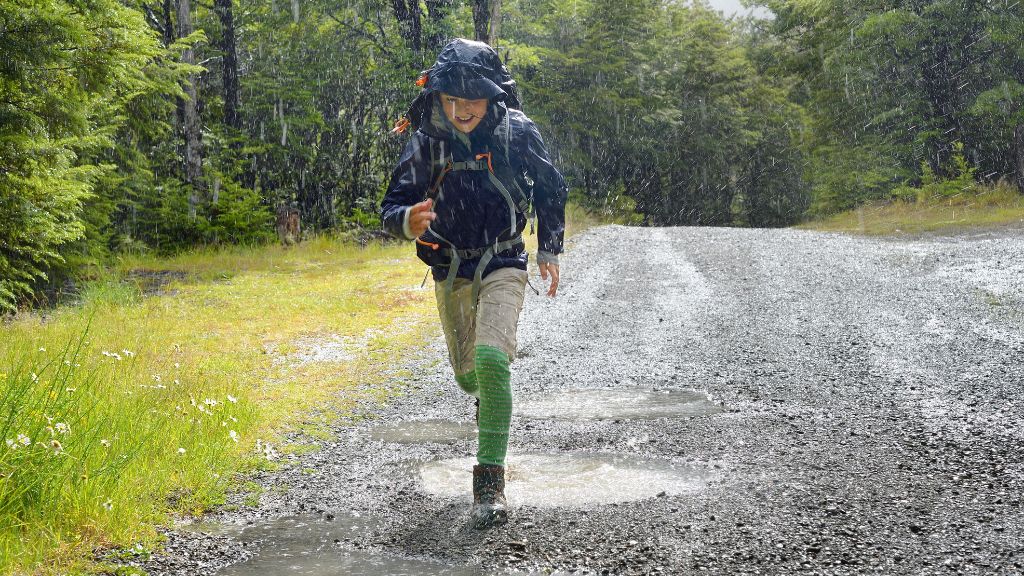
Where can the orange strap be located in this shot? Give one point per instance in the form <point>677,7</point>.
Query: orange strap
<point>431,244</point>
<point>488,156</point>
<point>401,126</point>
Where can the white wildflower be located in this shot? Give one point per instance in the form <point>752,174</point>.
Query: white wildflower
<point>210,402</point>
<point>177,382</point>
<point>41,349</point>
<point>156,377</point>
<point>181,450</point>
<point>62,428</point>
<point>177,365</point>
<point>105,443</point>
<point>232,418</point>
<point>233,435</point>
<point>108,504</point>
<point>232,399</point>
<point>266,449</point>
<point>24,440</point>
<point>56,447</point>
<point>70,390</point>
<point>128,353</point>
<point>12,444</point>
<point>35,377</point>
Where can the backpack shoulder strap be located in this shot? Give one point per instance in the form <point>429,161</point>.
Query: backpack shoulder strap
<point>440,165</point>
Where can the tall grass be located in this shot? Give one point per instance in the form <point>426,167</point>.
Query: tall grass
<point>919,211</point>
<point>135,407</point>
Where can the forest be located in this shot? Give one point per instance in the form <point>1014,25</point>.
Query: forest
<point>136,127</point>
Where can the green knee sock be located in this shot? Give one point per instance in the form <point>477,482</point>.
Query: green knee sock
<point>468,383</point>
<point>494,378</point>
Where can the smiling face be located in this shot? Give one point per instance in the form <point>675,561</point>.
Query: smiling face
<point>464,114</point>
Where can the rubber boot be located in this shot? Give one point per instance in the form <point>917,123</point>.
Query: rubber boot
<point>489,505</point>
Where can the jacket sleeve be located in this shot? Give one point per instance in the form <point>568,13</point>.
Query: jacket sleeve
<point>409,182</point>
<point>549,194</point>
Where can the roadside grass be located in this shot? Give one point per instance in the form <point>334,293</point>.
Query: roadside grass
<point>129,408</point>
<point>995,205</point>
<point>126,408</point>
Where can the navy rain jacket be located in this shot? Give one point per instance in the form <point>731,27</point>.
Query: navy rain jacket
<point>471,212</point>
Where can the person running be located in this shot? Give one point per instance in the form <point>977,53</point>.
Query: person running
<point>473,172</point>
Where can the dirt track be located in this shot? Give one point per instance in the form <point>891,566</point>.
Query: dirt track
<point>871,418</point>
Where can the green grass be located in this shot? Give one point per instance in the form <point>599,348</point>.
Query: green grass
<point>157,403</point>
<point>997,205</point>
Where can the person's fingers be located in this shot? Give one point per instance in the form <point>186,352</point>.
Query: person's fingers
<point>421,208</point>
<point>422,217</point>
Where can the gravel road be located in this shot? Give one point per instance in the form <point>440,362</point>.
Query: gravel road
<point>867,419</point>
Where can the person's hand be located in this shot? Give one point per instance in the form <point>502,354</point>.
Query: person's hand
<point>550,270</point>
<point>420,216</point>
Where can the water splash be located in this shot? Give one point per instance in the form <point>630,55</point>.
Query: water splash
<point>570,480</point>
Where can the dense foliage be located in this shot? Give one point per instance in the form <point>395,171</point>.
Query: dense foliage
<point>896,88</point>
<point>134,126</point>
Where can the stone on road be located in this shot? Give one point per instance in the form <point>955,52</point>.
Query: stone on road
<point>860,412</point>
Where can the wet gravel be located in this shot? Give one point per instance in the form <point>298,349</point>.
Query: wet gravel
<point>872,418</point>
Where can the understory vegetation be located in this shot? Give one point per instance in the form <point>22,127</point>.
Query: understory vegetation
<point>977,206</point>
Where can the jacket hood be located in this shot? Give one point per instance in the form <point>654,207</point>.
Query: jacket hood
<point>465,69</point>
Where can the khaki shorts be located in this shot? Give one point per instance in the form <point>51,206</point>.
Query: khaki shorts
<point>497,316</point>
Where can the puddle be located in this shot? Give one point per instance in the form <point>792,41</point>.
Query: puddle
<point>569,480</point>
<point>424,432</point>
<point>305,545</point>
<point>627,404</point>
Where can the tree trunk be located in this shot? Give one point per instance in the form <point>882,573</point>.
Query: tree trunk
<point>1018,143</point>
<point>189,115</point>
<point>168,31</point>
<point>227,25</point>
<point>492,36</point>
<point>482,20</point>
<point>407,12</point>
<point>437,10</point>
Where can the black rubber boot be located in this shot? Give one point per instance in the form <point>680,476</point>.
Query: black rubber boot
<point>489,505</point>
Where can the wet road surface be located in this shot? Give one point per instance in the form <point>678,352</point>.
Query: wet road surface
<point>804,403</point>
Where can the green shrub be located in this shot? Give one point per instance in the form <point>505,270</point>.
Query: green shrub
<point>961,181</point>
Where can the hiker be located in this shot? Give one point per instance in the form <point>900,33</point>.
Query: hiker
<point>472,174</point>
